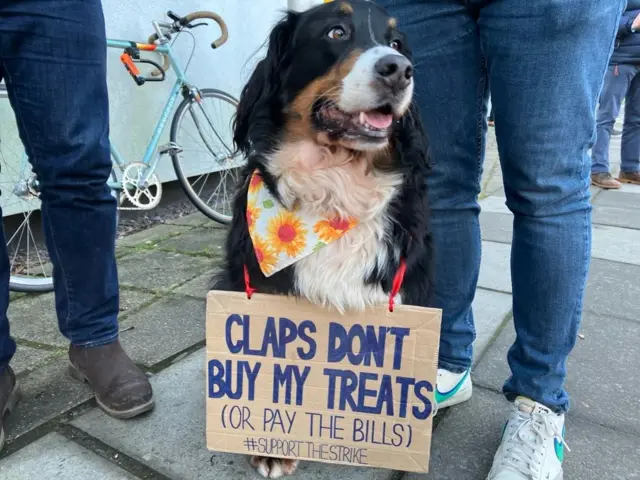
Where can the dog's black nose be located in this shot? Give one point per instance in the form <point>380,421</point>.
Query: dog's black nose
<point>395,71</point>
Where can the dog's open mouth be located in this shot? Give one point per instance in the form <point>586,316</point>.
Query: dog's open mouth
<point>370,124</point>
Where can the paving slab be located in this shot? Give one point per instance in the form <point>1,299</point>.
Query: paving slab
<point>47,392</point>
<point>613,289</point>
<point>154,269</point>
<point>495,268</point>
<point>55,457</point>
<point>595,191</point>
<point>617,198</point>
<point>151,235</point>
<point>27,358</point>
<point>630,188</point>
<point>617,244</point>
<point>490,309</point>
<point>496,227</point>
<point>33,318</point>
<point>208,241</point>
<point>171,439</point>
<point>164,329</point>
<point>466,440</point>
<point>602,384</point>
<point>196,219</point>
<point>494,204</point>
<point>198,287</point>
<point>616,217</point>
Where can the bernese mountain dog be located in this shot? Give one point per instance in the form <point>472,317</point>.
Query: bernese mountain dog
<point>332,203</point>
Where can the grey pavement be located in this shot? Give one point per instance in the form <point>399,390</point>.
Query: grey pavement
<point>165,272</point>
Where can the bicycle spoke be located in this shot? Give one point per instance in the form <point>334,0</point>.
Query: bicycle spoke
<point>37,252</point>
<point>214,129</point>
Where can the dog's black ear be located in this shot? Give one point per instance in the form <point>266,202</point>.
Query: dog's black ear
<point>411,209</point>
<point>260,107</point>
<point>412,144</point>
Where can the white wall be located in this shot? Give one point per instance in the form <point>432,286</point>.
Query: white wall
<point>301,5</point>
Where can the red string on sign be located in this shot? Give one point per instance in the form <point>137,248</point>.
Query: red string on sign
<point>247,283</point>
<point>397,283</point>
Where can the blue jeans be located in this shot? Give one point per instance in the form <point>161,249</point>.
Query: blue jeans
<point>621,81</point>
<point>53,61</point>
<point>545,62</point>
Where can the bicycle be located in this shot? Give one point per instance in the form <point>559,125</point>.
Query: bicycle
<point>136,184</point>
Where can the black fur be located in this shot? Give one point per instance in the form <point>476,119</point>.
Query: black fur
<point>293,61</point>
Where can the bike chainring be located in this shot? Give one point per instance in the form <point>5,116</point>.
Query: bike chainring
<point>145,197</point>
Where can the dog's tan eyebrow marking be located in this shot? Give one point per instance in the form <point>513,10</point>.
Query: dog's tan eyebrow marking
<point>346,8</point>
<point>393,23</point>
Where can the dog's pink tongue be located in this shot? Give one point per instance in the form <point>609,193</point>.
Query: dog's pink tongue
<point>378,120</point>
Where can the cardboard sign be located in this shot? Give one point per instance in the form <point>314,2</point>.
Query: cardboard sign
<point>287,379</point>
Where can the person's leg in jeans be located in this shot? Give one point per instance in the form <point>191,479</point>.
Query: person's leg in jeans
<point>544,129</point>
<point>544,88</point>
<point>616,85</point>
<point>452,94</point>
<point>451,91</point>
<point>630,151</point>
<point>53,59</point>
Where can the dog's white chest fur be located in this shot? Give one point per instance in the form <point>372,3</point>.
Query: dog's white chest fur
<point>335,275</point>
<point>335,183</point>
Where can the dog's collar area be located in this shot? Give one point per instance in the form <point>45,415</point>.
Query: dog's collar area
<point>395,286</point>
<point>281,237</point>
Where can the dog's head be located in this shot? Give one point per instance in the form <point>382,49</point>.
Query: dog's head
<point>340,74</point>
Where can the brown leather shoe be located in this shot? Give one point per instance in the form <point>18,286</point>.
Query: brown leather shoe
<point>605,180</point>
<point>9,395</point>
<point>630,177</point>
<point>122,390</point>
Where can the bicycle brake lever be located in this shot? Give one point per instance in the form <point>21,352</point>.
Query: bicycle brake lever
<point>196,25</point>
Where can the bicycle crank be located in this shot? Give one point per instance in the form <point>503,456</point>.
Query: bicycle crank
<point>142,197</point>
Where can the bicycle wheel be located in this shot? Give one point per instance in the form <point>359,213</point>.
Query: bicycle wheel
<point>29,264</point>
<point>204,161</point>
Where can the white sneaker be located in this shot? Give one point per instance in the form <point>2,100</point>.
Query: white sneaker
<point>452,388</point>
<point>532,446</point>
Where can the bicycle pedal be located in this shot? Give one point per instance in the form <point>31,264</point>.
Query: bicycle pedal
<point>170,148</point>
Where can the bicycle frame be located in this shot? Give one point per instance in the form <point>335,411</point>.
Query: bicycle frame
<point>149,158</point>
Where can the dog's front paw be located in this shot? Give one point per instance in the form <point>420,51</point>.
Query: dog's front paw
<point>270,467</point>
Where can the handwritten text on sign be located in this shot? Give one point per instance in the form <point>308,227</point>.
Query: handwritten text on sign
<point>287,379</point>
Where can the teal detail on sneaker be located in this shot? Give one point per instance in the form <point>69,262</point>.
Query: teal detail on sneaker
<point>504,429</point>
<point>559,446</point>
<point>441,397</point>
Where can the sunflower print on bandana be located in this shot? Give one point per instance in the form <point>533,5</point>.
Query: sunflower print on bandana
<point>266,256</point>
<point>330,230</point>
<point>253,213</point>
<point>281,237</point>
<point>286,233</point>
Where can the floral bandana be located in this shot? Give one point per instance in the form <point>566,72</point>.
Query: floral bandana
<point>281,237</point>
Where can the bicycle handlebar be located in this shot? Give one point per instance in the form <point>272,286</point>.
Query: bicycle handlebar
<point>187,19</point>
<point>185,22</point>
<point>224,32</point>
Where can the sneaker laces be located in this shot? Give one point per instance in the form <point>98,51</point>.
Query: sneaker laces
<point>523,446</point>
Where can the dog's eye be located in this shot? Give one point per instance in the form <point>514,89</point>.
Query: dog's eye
<point>337,33</point>
<point>396,45</point>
